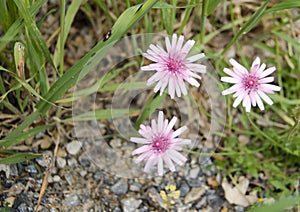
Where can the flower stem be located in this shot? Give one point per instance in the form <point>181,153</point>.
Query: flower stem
<point>203,19</point>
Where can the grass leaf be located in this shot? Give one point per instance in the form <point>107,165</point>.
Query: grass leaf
<point>18,158</point>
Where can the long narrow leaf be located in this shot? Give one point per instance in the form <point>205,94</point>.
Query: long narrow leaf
<point>18,157</point>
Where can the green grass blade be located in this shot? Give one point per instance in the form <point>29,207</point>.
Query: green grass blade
<point>18,158</point>
<point>211,6</point>
<point>16,27</point>
<point>287,4</point>
<point>101,115</point>
<point>125,22</point>
<point>70,15</point>
<point>248,25</point>
<point>33,30</point>
<point>289,39</point>
<point>18,138</point>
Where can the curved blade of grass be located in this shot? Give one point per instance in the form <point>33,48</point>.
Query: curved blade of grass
<point>83,66</point>
<point>289,39</point>
<point>164,5</point>
<point>16,27</point>
<point>33,30</point>
<point>16,139</point>
<point>248,25</point>
<point>72,11</point>
<point>18,157</point>
<point>211,6</point>
<point>101,115</point>
<point>149,108</point>
<point>287,4</point>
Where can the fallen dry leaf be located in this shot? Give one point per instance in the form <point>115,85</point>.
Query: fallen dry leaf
<point>237,195</point>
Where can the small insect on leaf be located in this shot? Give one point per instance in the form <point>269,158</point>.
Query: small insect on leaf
<point>19,59</point>
<point>107,36</point>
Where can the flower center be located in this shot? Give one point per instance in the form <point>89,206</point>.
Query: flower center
<point>250,83</point>
<point>174,66</point>
<point>159,144</point>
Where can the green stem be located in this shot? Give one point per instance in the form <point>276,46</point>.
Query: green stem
<point>62,29</point>
<point>203,19</point>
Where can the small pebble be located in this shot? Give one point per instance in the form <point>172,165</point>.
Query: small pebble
<point>72,162</point>
<point>98,175</point>
<point>61,162</point>
<point>73,147</point>
<point>184,189</point>
<point>130,204</point>
<point>31,169</point>
<point>72,200</point>
<point>69,178</point>
<point>194,172</point>
<point>120,187</point>
<point>194,194</point>
<point>135,187</point>
<point>56,178</point>
<point>83,173</point>
<point>84,161</point>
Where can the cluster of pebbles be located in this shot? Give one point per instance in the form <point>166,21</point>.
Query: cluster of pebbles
<point>77,183</point>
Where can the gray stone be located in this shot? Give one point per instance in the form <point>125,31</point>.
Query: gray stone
<point>13,170</point>
<point>98,175</point>
<point>31,169</point>
<point>41,161</point>
<point>84,161</point>
<point>72,162</point>
<point>82,173</point>
<point>194,194</point>
<point>117,209</point>
<point>184,189</point>
<point>71,200</point>
<point>69,178</point>
<point>130,204</point>
<point>74,147</point>
<point>56,178</point>
<point>120,187</point>
<point>202,203</point>
<point>22,207</point>
<point>61,162</point>
<point>194,172</point>
<point>135,187</point>
<point>6,169</point>
<point>239,208</point>
<point>215,201</point>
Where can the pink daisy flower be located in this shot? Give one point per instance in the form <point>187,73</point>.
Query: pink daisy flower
<point>160,144</point>
<point>172,67</point>
<point>250,88</point>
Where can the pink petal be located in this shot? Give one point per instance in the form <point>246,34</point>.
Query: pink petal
<point>160,121</point>
<point>247,103</point>
<point>195,57</point>
<point>169,163</point>
<point>139,140</point>
<point>196,67</point>
<point>238,66</point>
<point>265,97</point>
<point>266,80</point>
<point>192,81</point>
<point>179,131</point>
<point>232,74</point>
<point>186,48</point>
<point>160,166</point>
<point>269,88</point>
<point>238,100</point>
<point>267,72</point>
<point>230,79</point>
<point>259,102</point>
<point>141,149</point>
<point>255,65</point>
